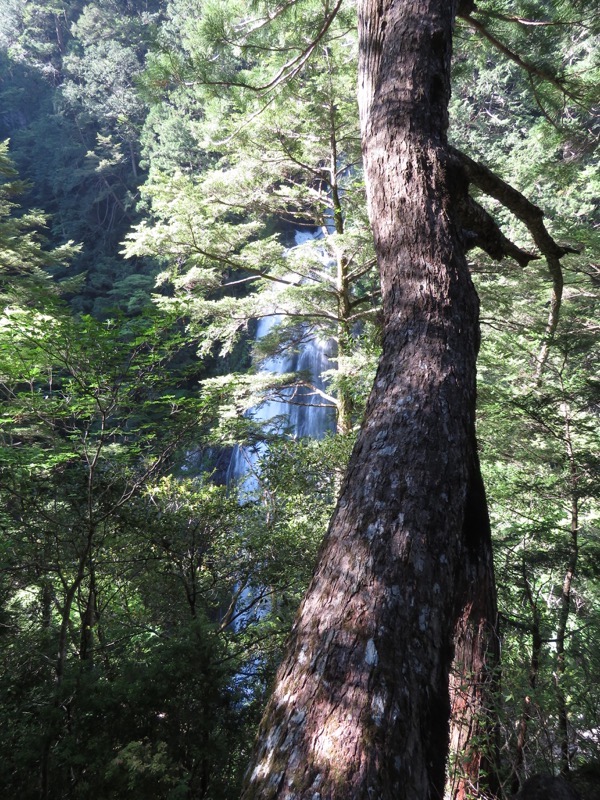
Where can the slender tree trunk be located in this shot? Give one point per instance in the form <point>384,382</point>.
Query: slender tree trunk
<point>344,334</point>
<point>565,602</point>
<point>133,164</point>
<point>89,618</point>
<point>361,707</point>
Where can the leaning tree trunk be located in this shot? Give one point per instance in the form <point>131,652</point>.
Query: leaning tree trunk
<point>360,708</point>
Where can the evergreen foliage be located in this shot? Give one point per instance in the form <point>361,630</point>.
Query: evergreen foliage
<point>271,155</point>
<point>73,116</point>
<point>142,607</point>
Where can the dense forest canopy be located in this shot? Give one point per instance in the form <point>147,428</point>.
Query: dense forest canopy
<point>174,174</point>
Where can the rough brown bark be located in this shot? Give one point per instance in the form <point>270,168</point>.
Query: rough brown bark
<point>360,707</point>
<point>472,768</point>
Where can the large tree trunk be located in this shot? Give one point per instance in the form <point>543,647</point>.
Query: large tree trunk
<point>360,709</point>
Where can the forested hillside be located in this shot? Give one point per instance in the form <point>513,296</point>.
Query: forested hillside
<point>183,220</point>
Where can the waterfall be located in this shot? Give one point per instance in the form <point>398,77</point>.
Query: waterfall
<point>301,411</point>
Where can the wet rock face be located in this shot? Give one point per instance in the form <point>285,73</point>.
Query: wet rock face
<point>547,787</point>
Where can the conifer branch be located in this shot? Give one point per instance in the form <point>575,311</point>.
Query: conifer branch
<point>362,270</point>
<point>231,264</point>
<point>369,298</point>
<point>531,69</point>
<point>535,23</point>
<point>292,67</point>
<point>251,26</point>
<point>300,383</point>
<point>533,217</point>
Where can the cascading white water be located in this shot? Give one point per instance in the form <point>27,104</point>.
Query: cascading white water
<point>301,411</point>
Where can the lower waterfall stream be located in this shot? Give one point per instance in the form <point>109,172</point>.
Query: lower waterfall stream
<point>300,411</point>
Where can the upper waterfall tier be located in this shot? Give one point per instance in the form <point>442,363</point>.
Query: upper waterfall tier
<point>299,410</point>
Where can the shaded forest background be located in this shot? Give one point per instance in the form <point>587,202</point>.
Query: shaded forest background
<point>159,157</point>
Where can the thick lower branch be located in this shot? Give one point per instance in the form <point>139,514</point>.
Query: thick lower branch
<point>481,230</point>
<point>533,217</point>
